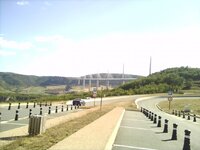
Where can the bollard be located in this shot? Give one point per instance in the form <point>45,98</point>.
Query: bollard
<point>30,112</point>
<point>188,116</point>
<point>174,133</point>
<point>9,107</point>
<point>159,121</point>
<point>165,126</point>
<point>67,108</point>
<point>179,113</point>
<point>173,112</point>
<point>18,105</point>
<point>40,110</point>
<point>50,103</point>
<point>62,108</point>
<point>186,145</point>
<point>56,109</point>
<point>146,114</point>
<point>155,119</point>
<point>152,117</point>
<point>46,103</point>
<point>16,115</point>
<point>40,104</point>
<point>71,107</point>
<point>27,105</point>
<point>34,105</point>
<point>0,116</point>
<point>49,112</point>
<point>194,120</point>
<point>183,114</point>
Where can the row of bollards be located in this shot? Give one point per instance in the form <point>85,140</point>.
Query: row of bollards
<point>153,117</point>
<point>49,111</point>
<point>178,113</point>
<point>27,105</point>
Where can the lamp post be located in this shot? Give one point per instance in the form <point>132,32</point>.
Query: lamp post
<point>101,98</point>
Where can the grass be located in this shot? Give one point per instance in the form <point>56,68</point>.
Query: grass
<point>58,133</point>
<point>181,104</point>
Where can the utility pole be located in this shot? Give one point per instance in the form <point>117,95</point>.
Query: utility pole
<point>150,67</point>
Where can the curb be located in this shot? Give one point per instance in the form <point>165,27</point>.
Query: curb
<point>114,133</point>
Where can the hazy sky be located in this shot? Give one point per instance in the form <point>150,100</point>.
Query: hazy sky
<point>79,37</point>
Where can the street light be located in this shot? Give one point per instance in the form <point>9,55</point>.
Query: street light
<point>101,98</point>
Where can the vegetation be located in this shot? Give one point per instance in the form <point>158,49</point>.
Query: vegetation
<point>174,79</point>
<point>179,80</point>
<point>182,104</point>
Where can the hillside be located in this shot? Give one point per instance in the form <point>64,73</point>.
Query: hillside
<point>175,79</point>
<point>11,82</point>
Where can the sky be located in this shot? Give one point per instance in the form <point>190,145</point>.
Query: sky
<point>73,38</point>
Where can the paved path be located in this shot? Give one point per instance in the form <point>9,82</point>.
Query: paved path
<point>137,132</point>
<point>95,136</point>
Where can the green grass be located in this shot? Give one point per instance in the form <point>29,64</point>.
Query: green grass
<point>58,133</point>
<point>181,104</point>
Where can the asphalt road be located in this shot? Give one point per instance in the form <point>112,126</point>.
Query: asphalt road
<point>138,132</point>
<point>8,122</point>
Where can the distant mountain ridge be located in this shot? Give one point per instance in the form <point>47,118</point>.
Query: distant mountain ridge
<point>9,80</point>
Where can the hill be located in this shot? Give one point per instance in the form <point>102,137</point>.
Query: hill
<point>174,79</point>
<point>17,83</point>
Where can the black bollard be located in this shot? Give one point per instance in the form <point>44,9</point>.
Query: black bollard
<point>152,117</point>
<point>183,114</point>
<point>56,109</point>
<point>188,116</point>
<point>62,108</point>
<point>159,121</point>
<point>9,107</point>
<point>18,105</point>
<point>173,112</point>
<point>155,119</point>
<point>34,105</point>
<point>194,120</point>
<point>165,126</point>
<point>46,103</point>
<point>49,112</point>
<point>40,110</point>
<point>186,145</point>
<point>174,133</point>
<point>30,112</point>
<point>67,108</point>
<point>16,115</point>
<point>27,105</point>
<point>40,104</point>
<point>179,113</point>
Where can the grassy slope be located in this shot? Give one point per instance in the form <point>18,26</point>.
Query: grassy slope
<point>193,105</point>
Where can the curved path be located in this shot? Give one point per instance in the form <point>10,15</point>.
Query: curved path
<point>182,123</point>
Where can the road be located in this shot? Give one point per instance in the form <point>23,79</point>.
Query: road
<point>138,132</point>
<point>8,116</point>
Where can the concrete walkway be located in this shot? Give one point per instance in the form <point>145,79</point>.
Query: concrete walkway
<point>98,135</point>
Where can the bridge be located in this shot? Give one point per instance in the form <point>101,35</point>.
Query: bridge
<point>105,78</point>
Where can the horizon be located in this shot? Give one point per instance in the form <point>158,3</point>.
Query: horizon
<point>76,38</point>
